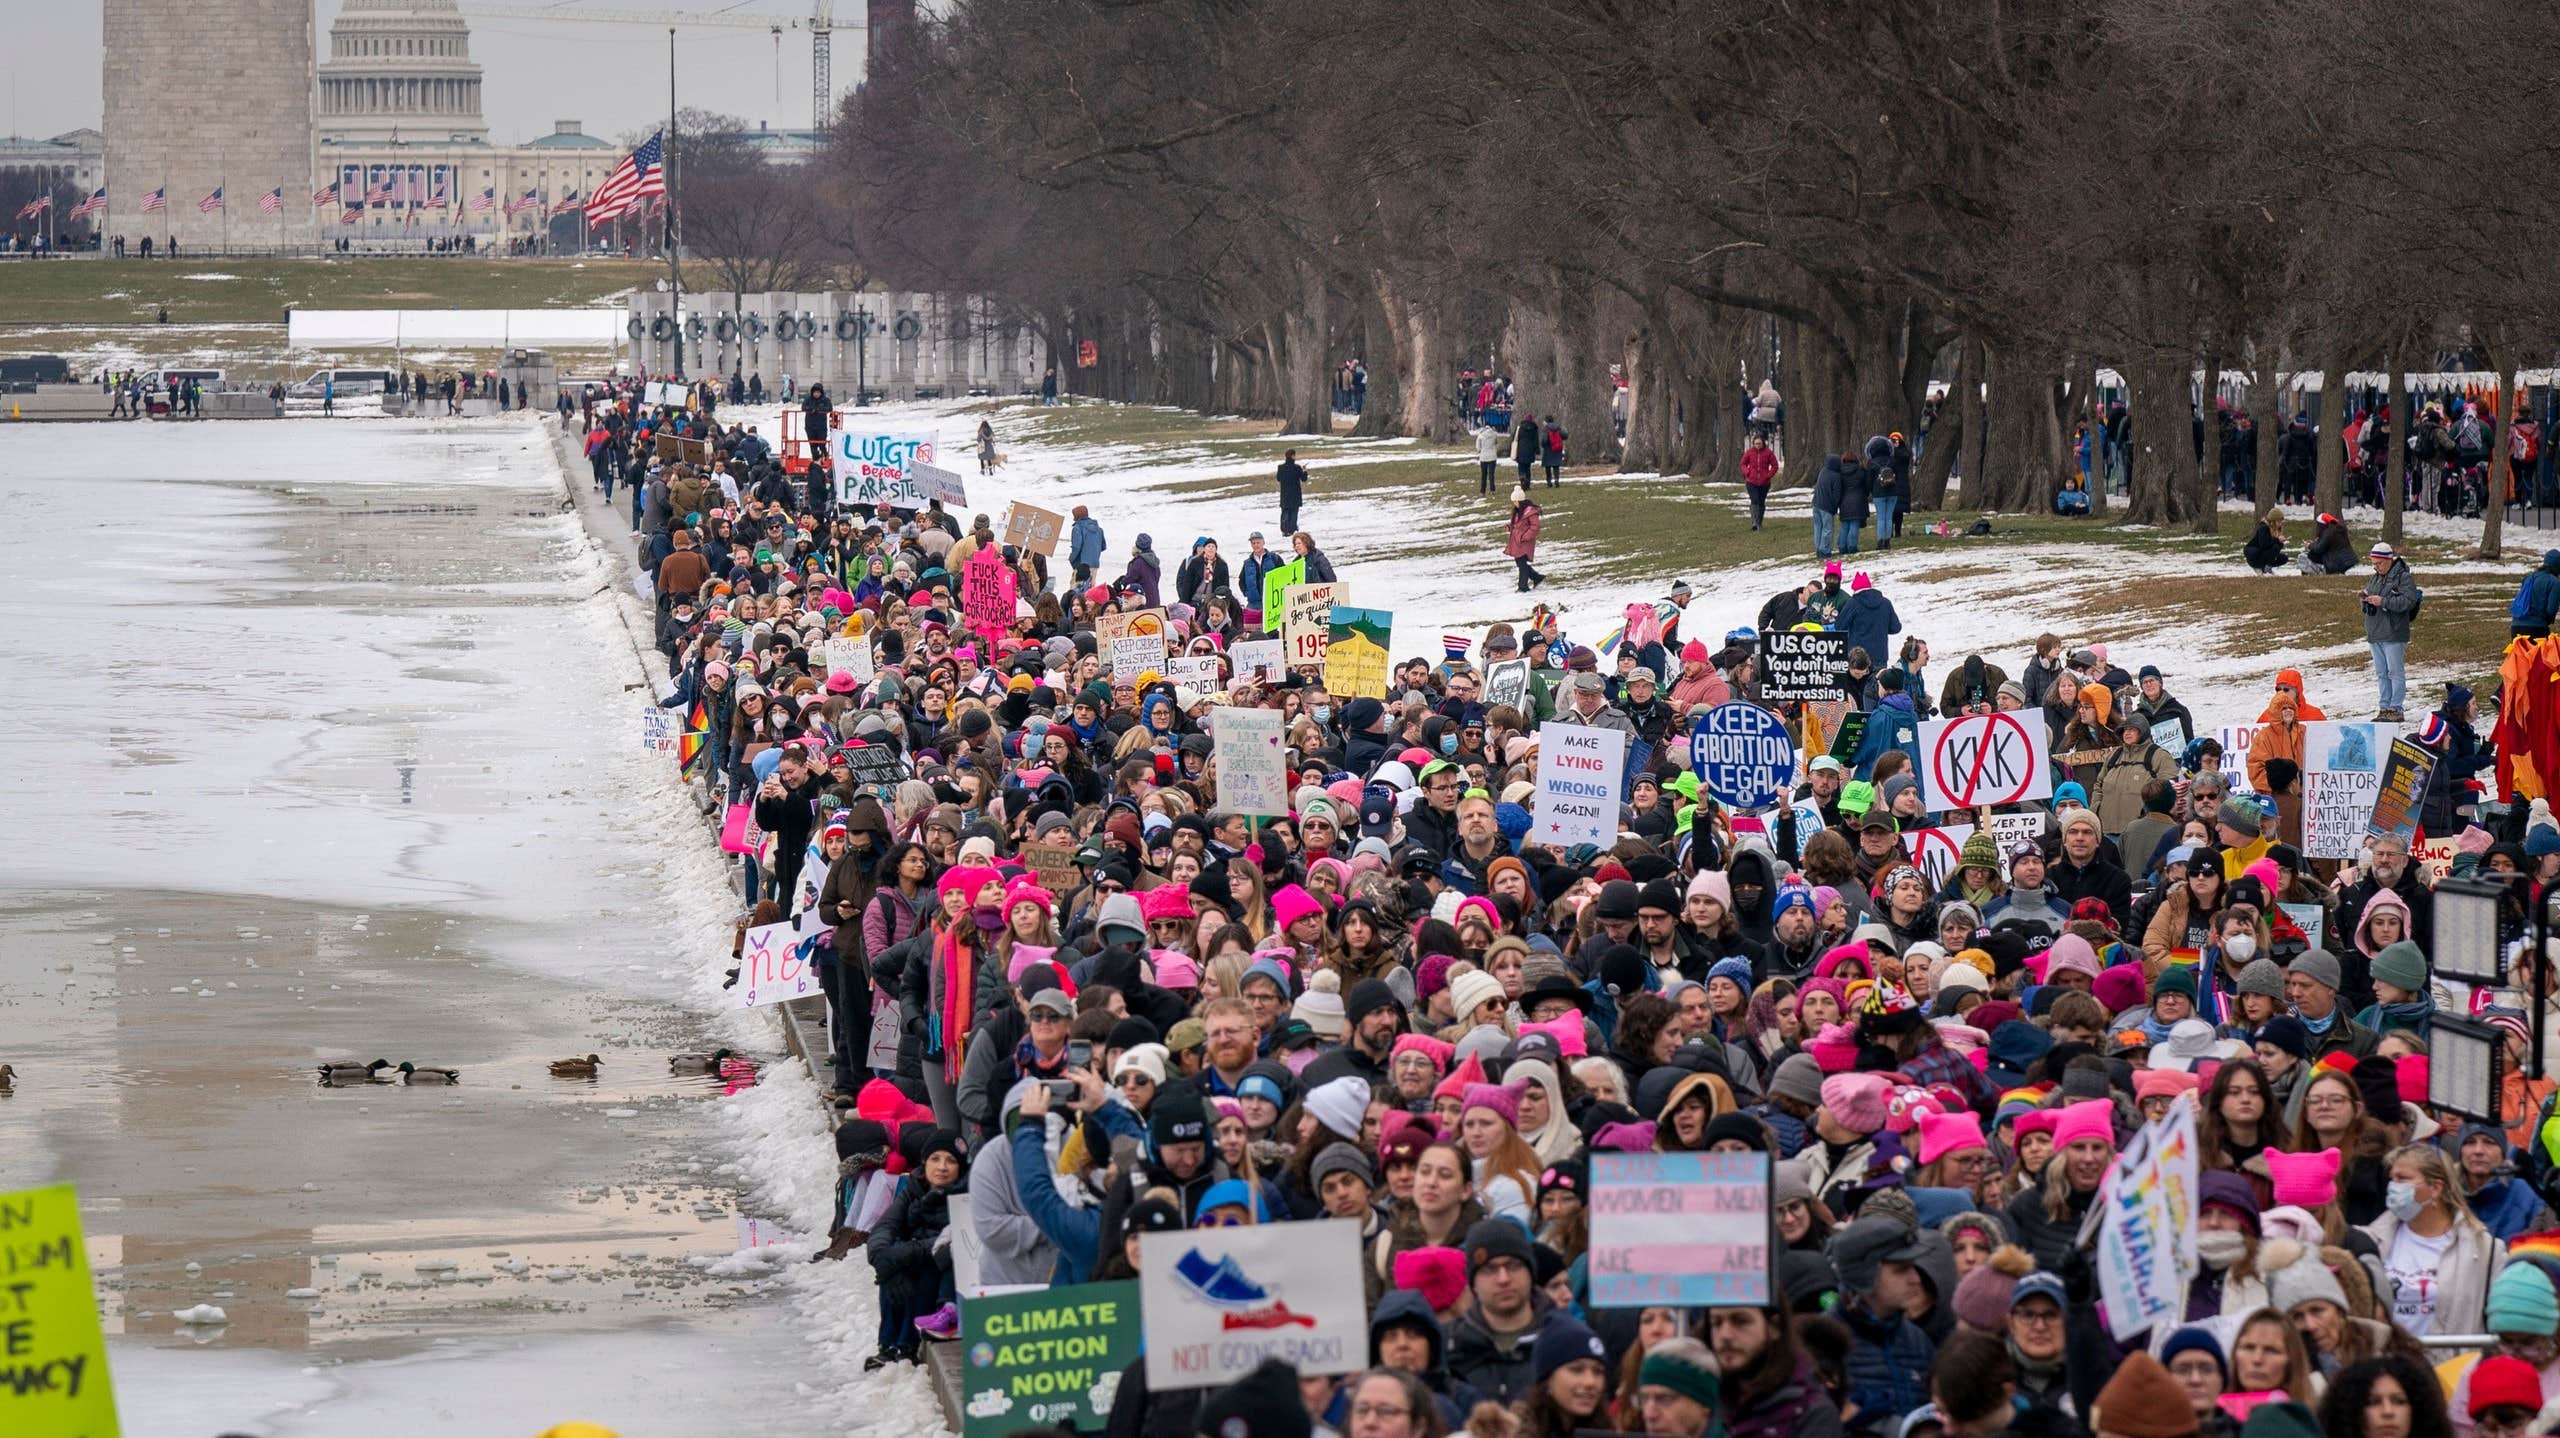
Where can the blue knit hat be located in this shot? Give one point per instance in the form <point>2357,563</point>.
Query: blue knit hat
<point>1791,896</point>
<point>1738,970</point>
<point>2521,1300</point>
<point>1513,821</point>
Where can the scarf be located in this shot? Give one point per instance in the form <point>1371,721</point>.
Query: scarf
<point>2319,1026</point>
<point>2414,1014</point>
<point>959,989</point>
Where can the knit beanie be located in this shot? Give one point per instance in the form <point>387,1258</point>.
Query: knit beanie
<point>2320,967</point>
<point>2194,1338</point>
<point>2286,1032</point>
<point>2090,1118</point>
<point>2500,1381</point>
<point>2402,965</point>
<point>1857,1100</point>
<point>2262,976</point>
<point>1982,1296</point>
<point>1799,1078</point>
<point>1439,1274</point>
<point>2296,1275</point>
<point>2305,1180</point>
<point>2142,1401</point>
<point>1469,990</point>
<point>2521,1300</point>
<point>1688,1368</point>
<point>1563,1339</point>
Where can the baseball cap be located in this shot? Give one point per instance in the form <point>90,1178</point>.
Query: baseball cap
<point>1825,764</point>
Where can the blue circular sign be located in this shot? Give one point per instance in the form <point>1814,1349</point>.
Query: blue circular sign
<point>1742,755</point>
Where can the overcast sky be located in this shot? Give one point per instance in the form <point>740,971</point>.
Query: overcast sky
<point>612,77</point>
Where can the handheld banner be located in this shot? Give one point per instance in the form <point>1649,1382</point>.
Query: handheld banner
<point>1215,1302</point>
<point>1051,1358</point>
<point>53,1352</point>
<point>1742,755</point>
<point>1687,1230</point>
<point>1579,771</point>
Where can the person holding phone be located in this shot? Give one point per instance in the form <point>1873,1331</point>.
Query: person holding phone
<point>1000,1056</point>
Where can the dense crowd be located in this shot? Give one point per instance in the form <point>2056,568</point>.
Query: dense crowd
<point>1064,981</point>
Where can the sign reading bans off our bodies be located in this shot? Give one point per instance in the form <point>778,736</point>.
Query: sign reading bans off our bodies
<point>1578,774</point>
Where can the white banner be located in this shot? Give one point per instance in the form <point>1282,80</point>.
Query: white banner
<point>1136,654</point>
<point>1257,661</point>
<point>2145,1216</point>
<point>657,728</point>
<point>850,656</point>
<point>874,467</point>
<point>1216,1302</point>
<point>2341,772</point>
<point>1253,761</point>
<point>1579,769</point>
<point>1984,759</point>
<point>1195,678</point>
<point>780,962</point>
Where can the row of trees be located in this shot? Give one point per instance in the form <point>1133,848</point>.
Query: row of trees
<point>2009,194</point>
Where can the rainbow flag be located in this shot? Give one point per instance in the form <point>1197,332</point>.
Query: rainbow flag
<point>692,744</point>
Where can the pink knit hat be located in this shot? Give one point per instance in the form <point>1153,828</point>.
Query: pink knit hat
<point>1292,904</point>
<point>1858,1101</point>
<point>1502,1099</point>
<point>2090,1118</point>
<point>1835,1049</point>
<point>2072,952</point>
<point>1436,1050</point>
<point>2163,1083</point>
<point>1571,1039</point>
<point>1438,1274</point>
<point>1165,901</point>
<point>1945,1133</point>
<point>2305,1180</point>
<point>2118,987</point>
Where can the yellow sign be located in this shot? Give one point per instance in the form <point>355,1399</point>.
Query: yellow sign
<point>53,1354</point>
<point>1355,656</point>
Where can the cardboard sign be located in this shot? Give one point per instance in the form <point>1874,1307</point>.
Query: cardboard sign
<point>1257,661</point>
<point>2406,767</point>
<point>987,589</point>
<point>874,467</point>
<point>53,1353</point>
<point>1689,1230</point>
<point>850,656</point>
<point>1306,622</point>
<point>1050,1358</point>
<point>657,728</point>
<point>1218,1301</point>
<point>2341,775</point>
<point>935,482</point>
<point>2311,919</point>
<point>1195,677</point>
<point>1986,759</point>
<point>1802,664</point>
<point>1580,770</point>
<point>1055,868</point>
<point>1250,746</point>
<point>1276,582</point>
<point>1034,530</point>
<point>1136,654</point>
<point>780,961</point>
<point>1355,657</point>
<point>1506,681</point>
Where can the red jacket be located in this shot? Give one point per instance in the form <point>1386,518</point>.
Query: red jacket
<point>1759,466</point>
<point>1524,533</point>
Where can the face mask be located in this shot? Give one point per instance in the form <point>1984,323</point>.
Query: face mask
<point>1324,713</point>
<point>2221,1248</point>
<point>2402,1200</point>
<point>1448,743</point>
<point>2240,946</point>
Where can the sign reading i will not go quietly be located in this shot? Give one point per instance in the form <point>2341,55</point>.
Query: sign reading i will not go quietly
<point>1689,1230</point>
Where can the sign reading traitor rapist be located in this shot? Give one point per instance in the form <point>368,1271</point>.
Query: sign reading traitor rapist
<point>1683,1230</point>
<point>1578,773</point>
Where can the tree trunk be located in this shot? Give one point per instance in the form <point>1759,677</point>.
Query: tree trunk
<point>2271,420</point>
<point>1647,435</point>
<point>2493,509</point>
<point>2162,437</point>
<point>2395,495</point>
<point>1382,348</point>
<point>2329,486</point>
<point>2205,512</point>
<point>1944,441</point>
<point>1978,369</point>
<point>1306,401</point>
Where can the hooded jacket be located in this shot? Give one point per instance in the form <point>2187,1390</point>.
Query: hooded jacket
<point>1405,1308</point>
<point>1501,1373</point>
<point>1751,864</point>
<point>2387,622</point>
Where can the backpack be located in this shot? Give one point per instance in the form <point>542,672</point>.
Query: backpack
<point>1555,439</point>
<point>2470,437</point>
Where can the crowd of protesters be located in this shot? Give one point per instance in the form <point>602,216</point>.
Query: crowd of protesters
<point>1065,981</point>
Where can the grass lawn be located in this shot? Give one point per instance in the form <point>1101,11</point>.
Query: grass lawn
<point>123,292</point>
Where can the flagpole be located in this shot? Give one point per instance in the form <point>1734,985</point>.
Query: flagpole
<point>667,234</point>
<point>226,215</point>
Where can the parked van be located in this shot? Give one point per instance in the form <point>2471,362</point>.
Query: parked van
<point>347,382</point>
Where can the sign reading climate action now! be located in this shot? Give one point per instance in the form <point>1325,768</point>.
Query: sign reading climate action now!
<point>1802,664</point>
<point>1050,1359</point>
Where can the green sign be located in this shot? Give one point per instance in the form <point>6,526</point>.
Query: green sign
<point>1275,588</point>
<point>1047,1359</point>
<point>53,1353</point>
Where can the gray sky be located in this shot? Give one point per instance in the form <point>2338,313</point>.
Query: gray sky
<point>612,77</point>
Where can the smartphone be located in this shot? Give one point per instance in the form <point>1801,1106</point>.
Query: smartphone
<point>1079,1053</point>
<point>1062,1090</point>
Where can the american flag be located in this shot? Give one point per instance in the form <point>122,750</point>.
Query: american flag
<point>35,207</point>
<point>212,202</point>
<point>272,200</point>
<point>516,207</point>
<point>350,215</point>
<point>325,195</point>
<point>567,203</point>
<point>640,176</point>
<point>97,201</point>
<point>485,198</point>
<point>157,200</point>
<point>435,201</point>
<point>380,194</point>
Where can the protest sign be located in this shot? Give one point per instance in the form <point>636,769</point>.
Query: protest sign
<point>1355,656</point>
<point>1276,582</point>
<point>1742,755</point>
<point>2406,766</point>
<point>1687,1230</point>
<point>1938,851</point>
<point>1055,868</point>
<point>668,392</point>
<point>1821,719</point>
<point>2145,1220</point>
<point>1050,1358</point>
<point>1216,1302</point>
<point>1984,759</point>
<point>888,1026</point>
<point>2008,831</point>
<point>1257,661</point>
<point>1195,678</point>
<point>987,589</point>
<point>2436,854</point>
<point>2170,734</point>
<point>850,656</point>
<point>739,833</point>
<point>53,1352</point>
<point>657,728</point>
<point>1506,681</point>
<point>1135,654</point>
<point>779,962</point>
<point>2341,774</point>
<point>2311,919</point>
<point>1802,664</point>
<point>1579,771</point>
<point>1306,622</point>
<point>935,482</point>
<point>1851,735</point>
<point>875,467</point>
<point>2234,739</point>
<point>1120,625</point>
<point>1253,761</point>
<point>876,769</point>
<point>1032,529</point>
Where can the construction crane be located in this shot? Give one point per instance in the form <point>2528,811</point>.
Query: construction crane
<point>820,23</point>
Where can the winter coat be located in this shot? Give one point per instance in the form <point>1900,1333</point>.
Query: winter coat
<point>2388,621</point>
<point>2470,1261</point>
<point>1857,487</point>
<point>1523,543</point>
<point>2331,552</point>
<point>2264,550</point>
<point>1869,621</point>
<point>1085,543</point>
<point>1759,466</point>
<point>1405,1308</point>
<point>2117,795</point>
<point>2049,1240</point>
<point>1013,1249</point>
<point>1892,724</point>
<point>1145,571</point>
<point>1888,1360</point>
<point>2463,757</point>
<point>1499,1372</point>
<point>1488,444</point>
<point>1797,1408</point>
<point>2539,600</point>
<point>1319,568</point>
<point>1525,443</point>
<point>1195,583</point>
<point>1764,405</point>
<point>1827,486</point>
<point>901,1247</point>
